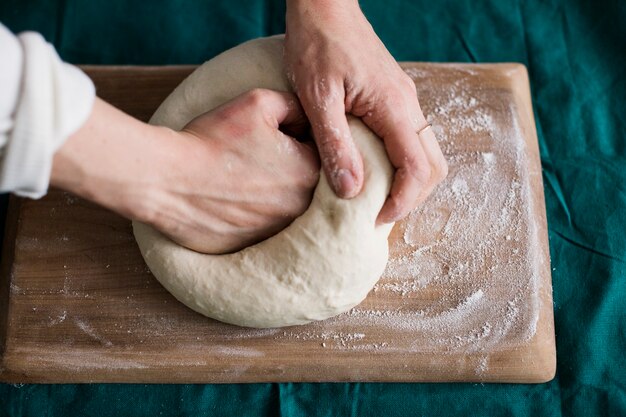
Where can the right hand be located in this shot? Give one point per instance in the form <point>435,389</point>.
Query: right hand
<point>337,65</point>
<point>239,179</point>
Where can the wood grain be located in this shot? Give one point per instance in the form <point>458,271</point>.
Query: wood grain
<point>78,303</point>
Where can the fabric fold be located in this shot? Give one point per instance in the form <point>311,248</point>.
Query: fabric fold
<point>54,101</point>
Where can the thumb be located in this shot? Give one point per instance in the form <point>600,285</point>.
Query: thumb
<point>340,158</point>
<point>280,108</point>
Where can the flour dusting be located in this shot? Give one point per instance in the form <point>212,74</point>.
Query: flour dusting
<point>91,332</point>
<point>461,276</point>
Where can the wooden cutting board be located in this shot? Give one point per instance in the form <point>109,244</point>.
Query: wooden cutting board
<point>466,295</point>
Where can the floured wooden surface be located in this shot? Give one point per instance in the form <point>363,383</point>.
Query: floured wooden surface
<point>474,241</point>
<point>466,295</point>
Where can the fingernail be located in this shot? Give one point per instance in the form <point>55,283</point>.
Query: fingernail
<point>344,183</point>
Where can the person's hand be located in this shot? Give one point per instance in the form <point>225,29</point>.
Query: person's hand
<point>336,65</point>
<point>245,179</point>
<point>229,179</point>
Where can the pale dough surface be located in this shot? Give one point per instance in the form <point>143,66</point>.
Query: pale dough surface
<point>321,265</point>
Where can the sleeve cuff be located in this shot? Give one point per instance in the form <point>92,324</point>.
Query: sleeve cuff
<point>55,101</point>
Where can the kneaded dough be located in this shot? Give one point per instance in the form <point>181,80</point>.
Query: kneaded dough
<point>324,263</point>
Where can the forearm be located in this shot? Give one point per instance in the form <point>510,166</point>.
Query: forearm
<point>115,161</point>
<point>53,130</point>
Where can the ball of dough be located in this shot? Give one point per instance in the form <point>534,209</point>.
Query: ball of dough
<point>322,264</point>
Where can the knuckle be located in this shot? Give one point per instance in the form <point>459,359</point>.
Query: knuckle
<point>329,147</point>
<point>329,136</point>
<point>312,177</point>
<point>148,214</point>
<point>325,104</point>
<point>257,96</point>
<point>398,208</point>
<point>421,172</point>
<point>319,93</point>
<point>328,142</point>
<point>439,168</point>
<point>410,85</point>
<point>424,173</point>
<point>333,154</point>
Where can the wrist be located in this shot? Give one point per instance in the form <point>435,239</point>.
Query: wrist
<point>145,189</point>
<point>114,160</point>
<point>176,160</point>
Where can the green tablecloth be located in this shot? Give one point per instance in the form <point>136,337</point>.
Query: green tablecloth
<point>576,56</point>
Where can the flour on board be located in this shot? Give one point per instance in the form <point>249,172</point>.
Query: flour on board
<point>471,241</point>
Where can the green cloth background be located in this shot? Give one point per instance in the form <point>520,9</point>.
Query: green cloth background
<point>575,52</point>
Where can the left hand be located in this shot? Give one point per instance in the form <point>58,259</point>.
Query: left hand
<point>337,65</point>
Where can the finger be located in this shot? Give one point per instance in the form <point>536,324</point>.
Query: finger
<point>438,164</point>
<point>412,176</point>
<point>283,110</point>
<point>340,158</point>
<point>279,108</point>
<point>395,122</point>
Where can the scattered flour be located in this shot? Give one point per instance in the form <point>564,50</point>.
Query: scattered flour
<point>461,274</point>
<point>91,332</point>
<point>70,198</point>
<point>237,351</point>
<point>58,319</point>
<point>482,366</point>
<point>341,339</point>
<point>15,289</point>
<point>465,260</point>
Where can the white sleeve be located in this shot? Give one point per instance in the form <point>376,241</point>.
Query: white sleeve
<point>42,102</point>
